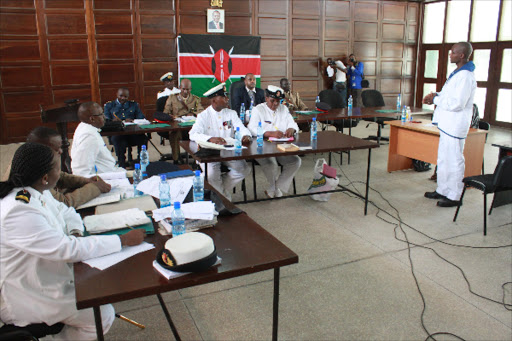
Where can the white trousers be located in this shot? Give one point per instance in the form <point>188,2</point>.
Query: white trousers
<point>450,166</point>
<point>291,165</point>
<point>224,183</point>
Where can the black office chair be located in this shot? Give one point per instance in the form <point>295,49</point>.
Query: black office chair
<point>501,180</point>
<point>9,332</point>
<point>484,126</point>
<point>373,98</point>
<point>232,89</point>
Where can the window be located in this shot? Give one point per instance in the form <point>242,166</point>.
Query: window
<point>479,100</point>
<point>457,21</point>
<point>503,113</point>
<point>506,66</point>
<point>506,21</point>
<point>481,59</point>
<point>431,61</point>
<point>432,31</point>
<point>485,20</point>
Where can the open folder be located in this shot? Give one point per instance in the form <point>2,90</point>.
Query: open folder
<point>100,223</point>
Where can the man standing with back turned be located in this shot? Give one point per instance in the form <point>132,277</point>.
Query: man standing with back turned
<point>453,117</point>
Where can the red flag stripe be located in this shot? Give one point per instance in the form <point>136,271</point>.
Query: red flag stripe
<point>203,65</point>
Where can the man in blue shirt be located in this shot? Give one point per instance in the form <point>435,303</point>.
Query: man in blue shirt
<point>125,110</point>
<point>355,76</point>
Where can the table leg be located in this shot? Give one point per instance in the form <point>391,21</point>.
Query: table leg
<point>168,317</point>
<point>367,181</point>
<point>205,171</point>
<point>330,158</point>
<point>99,325</point>
<point>275,320</point>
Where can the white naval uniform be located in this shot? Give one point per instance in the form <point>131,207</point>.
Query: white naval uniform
<point>89,150</point>
<point>168,92</point>
<point>280,120</point>
<point>453,117</point>
<point>36,273</point>
<point>211,123</point>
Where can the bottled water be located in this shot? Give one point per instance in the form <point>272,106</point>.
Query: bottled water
<point>398,102</point>
<point>408,113</point>
<point>144,159</point>
<point>178,220</point>
<point>313,130</point>
<point>249,113</point>
<point>404,114</point>
<point>242,113</point>
<point>137,178</point>
<point>165,192</point>
<point>198,187</point>
<point>259,136</point>
<point>317,99</point>
<point>238,138</point>
<point>350,104</point>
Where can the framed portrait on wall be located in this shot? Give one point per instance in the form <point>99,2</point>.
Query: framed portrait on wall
<point>215,20</point>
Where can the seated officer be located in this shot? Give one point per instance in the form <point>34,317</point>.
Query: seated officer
<point>216,124</point>
<point>88,151</point>
<point>247,94</point>
<point>276,121</point>
<point>124,110</point>
<point>168,80</point>
<point>293,101</point>
<point>181,104</point>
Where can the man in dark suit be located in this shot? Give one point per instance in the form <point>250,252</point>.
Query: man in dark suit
<point>247,94</point>
<point>215,24</point>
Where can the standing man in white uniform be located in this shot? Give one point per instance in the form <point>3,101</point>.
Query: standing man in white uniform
<point>276,121</point>
<point>453,118</point>
<point>38,245</point>
<point>88,149</point>
<point>217,124</point>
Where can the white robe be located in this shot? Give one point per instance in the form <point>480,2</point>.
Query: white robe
<point>89,150</point>
<point>36,256</point>
<point>281,120</point>
<point>453,117</point>
<point>211,123</point>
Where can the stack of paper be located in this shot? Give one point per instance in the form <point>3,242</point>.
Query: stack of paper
<point>141,121</point>
<point>103,198</point>
<point>179,187</point>
<point>113,175</point>
<point>186,118</point>
<point>203,210</point>
<point>145,203</point>
<point>126,252</point>
<point>116,220</point>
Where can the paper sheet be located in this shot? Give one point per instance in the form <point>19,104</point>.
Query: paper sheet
<point>204,210</point>
<point>145,203</point>
<point>103,198</point>
<point>115,220</point>
<point>179,187</point>
<point>113,175</point>
<point>126,252</point>
<point>141,121</point>
<point>282,139</point>
<point>171,274</point>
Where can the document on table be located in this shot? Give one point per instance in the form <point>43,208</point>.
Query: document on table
<point>145,203</point>
<point>282,139</point>
<point>126,252</point>
<point>172,274</point>
<point>179,187</point>
<point>204,210</point>
<point>103,198</point>
<point>115,220</point>
<point>113,175</point>
<point>141,121</point>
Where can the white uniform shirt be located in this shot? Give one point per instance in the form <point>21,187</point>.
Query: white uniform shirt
<point>281,119</point>
<point>211,123</point>
<point>36,275</point>
<point>89,149</point>
<point>168,92</point>
<point>455,104</point>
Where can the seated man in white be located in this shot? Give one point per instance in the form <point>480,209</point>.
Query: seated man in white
<point>89,154</point>
<point>217,124</point>
<point>276,121</point>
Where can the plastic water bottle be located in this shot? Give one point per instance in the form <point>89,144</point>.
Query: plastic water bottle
<point>350,104</point>
<point>398,102</point>
<point>408,113</point>
<point>198,187</point>
<point>137,178</point>
<point>242,113</point>
<point>313,130</point>
<point>404,114</point>
<point>178,220</point>
<point>238,138</point>
<point>259,136</point>
<point>165,192</point>
<point>144,159</point>
<point>317,99</point>
<point>249,112</point>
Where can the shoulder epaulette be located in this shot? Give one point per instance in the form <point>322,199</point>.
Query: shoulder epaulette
<point>23,195</point>
<point>160,92</point>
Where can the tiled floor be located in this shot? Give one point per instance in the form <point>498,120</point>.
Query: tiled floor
<point>354,280</point>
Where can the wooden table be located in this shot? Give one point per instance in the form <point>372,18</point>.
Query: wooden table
<point>244,247</point>
<point>420,141</point>
<point>328,141</point>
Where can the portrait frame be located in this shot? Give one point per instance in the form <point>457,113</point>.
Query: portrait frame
<point>210,24</point>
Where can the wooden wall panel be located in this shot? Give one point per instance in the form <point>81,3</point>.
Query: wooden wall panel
<point>108,23</point>
<point>305,48</point>
<point>273,68</point>
<point>393,11</point>
<point>17,76</point>
<point>57,24</point>
<point>273,47</point>
<point>112,4</point>
<point>272,26</point>
<point>370,67</point>
<point>70,74</point>
<point>150,93</point>
<point>393,31</point>
<point>364,49</point>
<point>237,6</point>
<point>64,4</point>
<point>155,48</point>
<point>17,102</point>
<point>18,24</point>
<point>19,126</point>
<point>153,71</point>
<point>115,48</point>
<point>300,7</point>
<point>306,87</point>
<point>157,5</point>
<point>391,68</point>
<point>366,10</point>
<point>305,27</point>
<point>273,7</point>
<point>392,50</point>
<point>238,26</point>
<point>17,4</point>
<point>305,68</point>
<point>390,85</point>
<point>68,49</point>
<point>411,32</point>
<point>338,9</point>
<point>116,73</point>
<point>193,24</point>
<point>84,95</point>
<point>194,5</point>
<point>157,24</point>
<point>336,48</point>
<point>337,29</point>
<point>11,50</point>
<point>365,31</point>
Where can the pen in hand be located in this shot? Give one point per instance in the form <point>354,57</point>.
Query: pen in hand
<point>96,170</point>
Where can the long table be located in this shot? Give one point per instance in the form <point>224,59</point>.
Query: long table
<point>420,141</point>
<point>328,141</point>
<point>243,245</point>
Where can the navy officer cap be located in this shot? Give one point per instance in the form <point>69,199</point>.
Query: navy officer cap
<point>274,92</point>
<point>167,77</point>
<point>219,90</point>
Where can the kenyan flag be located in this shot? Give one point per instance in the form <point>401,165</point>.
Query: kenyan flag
<point>208,60</point>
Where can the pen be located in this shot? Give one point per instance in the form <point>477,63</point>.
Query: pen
<point>130,226</point>
<point>96,170</point>
<point>117,117</point>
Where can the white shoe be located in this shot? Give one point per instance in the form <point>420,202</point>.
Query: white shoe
<point>278,193</point>
<point>269,194</point>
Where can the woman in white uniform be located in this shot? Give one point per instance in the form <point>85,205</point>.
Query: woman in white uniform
<point>276,121</point>
<point>38,246</point>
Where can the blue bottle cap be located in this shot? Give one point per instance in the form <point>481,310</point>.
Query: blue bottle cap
<point>314,118</point>
<point>137,166</point>
<point>177,205</point>
<point>198,172</point>
<point>259,124</point>
<point>143,147</point>
<point>237,128</point>
<point>163,177</point>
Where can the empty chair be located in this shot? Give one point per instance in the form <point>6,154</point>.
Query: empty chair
<point>373,98</point>
<point>501,180</point>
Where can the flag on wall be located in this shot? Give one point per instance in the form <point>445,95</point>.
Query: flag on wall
<point>208,60</point>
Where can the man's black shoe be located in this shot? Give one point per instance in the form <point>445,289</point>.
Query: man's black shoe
<point>434,195</point>
<point>448,203</point>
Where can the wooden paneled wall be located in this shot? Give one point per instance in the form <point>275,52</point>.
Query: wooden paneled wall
<point>52,50</point>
